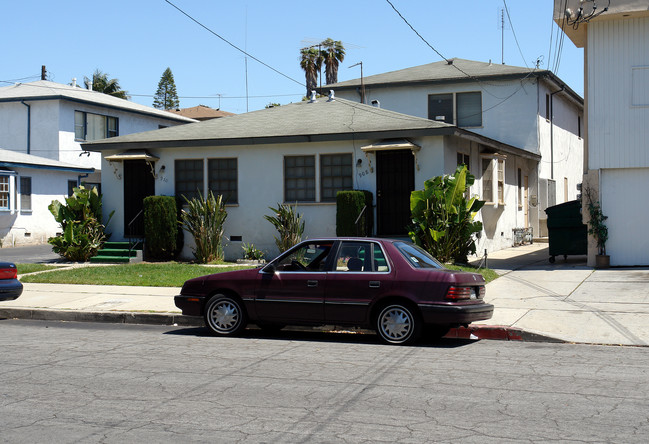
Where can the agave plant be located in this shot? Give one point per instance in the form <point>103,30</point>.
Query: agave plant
<point>204,219</point>
<point>289,224</point>
<point>443,219</point>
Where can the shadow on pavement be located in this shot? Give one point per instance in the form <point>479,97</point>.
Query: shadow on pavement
<point>319,336</point>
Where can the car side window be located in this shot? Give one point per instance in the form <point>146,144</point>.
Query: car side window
<point>310,257</point>
<point>357,256</point>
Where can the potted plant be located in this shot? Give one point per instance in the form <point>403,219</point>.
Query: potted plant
<point>597,228</point>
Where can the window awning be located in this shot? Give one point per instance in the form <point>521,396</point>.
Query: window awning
<point>132,155</point>
<point>398,144</point>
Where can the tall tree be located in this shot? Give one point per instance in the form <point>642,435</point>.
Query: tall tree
<point>101,83</point>
<point>310,62</point>
<point>166,96</point>
<point>333,54</point>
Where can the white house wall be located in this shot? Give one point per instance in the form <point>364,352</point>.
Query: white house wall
<point>43,132</point>
<point>35,226</point>
<point>509,108</point>
<point>618,88</point>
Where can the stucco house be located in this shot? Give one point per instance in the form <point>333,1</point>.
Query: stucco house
<point>28,184</point>
<point>530,109</point>
<point>49,120</point>
<point>616,85</point>
<point>301,153</point>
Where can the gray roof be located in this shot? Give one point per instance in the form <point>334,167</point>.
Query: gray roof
<point>45,90</point>
<point>13,159</point>
<point>460,70</point>
<point>303,121</point>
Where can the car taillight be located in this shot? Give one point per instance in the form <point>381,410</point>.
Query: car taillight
<point>8,273</point>
<point>459,293</point>
<point>463,293</point>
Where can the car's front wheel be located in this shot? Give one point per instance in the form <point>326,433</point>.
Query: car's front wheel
<point>398,324</point>
<point>225,315</point>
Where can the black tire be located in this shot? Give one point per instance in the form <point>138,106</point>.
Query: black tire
<point>398,324</point>
<point>225,315</point>
<point>552,259</point>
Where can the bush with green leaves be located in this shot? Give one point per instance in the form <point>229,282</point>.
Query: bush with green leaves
<point>83,234</point>
<point>250,252</point>
<point>442,217</point>
<point>289,225</point>
<point>203,219</point>
<point>160,227</point>
<point>349,206</point>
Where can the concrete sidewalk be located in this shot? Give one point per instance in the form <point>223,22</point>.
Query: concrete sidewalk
<point>534,300</point>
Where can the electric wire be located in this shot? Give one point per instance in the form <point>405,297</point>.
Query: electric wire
<point>233,45</point>
<point>514,33</point>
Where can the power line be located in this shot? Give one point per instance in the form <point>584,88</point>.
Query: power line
<point>233,45</point>
<point>514,32</point>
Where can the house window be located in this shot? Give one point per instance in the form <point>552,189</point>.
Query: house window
<point>299,179</point>
<point>547,107</point>
<point>493,180</point>
<point>222,178</point>
<point>26,193</point>
<point>579,126</point>
<point>335,175</point>
<point>461,109</point>
<point>72,184</point>
<point>469,109</point>
<point>88,126</point>
<point>463,159</point>
<point>189,177</point>
<point>440,108</point>
<point>4,192</point>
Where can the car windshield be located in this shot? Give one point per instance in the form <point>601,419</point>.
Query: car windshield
<point>418,257</point>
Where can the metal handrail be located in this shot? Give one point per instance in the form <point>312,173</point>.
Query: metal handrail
<point>129,226</point>
<point>358,219</point>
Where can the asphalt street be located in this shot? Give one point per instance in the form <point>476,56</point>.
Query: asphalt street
<point>78,382</point>
<point>30,254</point>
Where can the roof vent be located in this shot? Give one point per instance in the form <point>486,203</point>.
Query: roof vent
<point>449,61</point>
<point>74,82</point>
<point>331,96</point>
<point>312,99</point>
<point>376,103</point>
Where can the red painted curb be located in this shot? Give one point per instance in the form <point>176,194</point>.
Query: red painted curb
<point>494,332</point>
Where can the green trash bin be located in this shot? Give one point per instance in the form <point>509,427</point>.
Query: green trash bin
<point>567,234</point>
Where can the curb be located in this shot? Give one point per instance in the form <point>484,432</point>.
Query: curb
<point>489,332</point>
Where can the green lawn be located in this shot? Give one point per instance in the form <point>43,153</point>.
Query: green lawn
<point>488,274</point>
<point>32,268</point>
<point>168,274</point>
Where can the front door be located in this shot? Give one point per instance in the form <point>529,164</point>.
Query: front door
<point>138,184</point>
<point>395,179</point>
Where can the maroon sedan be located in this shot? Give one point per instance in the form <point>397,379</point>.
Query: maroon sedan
<point>392,286</point>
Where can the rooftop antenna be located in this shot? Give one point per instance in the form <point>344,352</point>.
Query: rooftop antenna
<point>362,85</point>
<point>502,25</point>
<point>246,61</point>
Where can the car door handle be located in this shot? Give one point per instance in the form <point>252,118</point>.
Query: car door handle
<point>311,283</point>
<point>375,284</point>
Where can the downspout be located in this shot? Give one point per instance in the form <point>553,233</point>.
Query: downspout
<point>81,176</point>
<point>563,87</point>
<point>29,126</point>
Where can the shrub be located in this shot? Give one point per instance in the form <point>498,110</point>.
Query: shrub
<point>289,224</point>
<point>349,205</point>
<point>204,219</point>
<point>443,218</point>
<point>160,227</point>
<point>251,252</point>
<point>80,220</point>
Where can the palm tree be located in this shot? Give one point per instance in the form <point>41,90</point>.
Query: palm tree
<point>332,54</point>
<point>102,84</point>
<point>310,62</point>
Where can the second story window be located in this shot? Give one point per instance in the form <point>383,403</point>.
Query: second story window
<point>89,127</point>
<point>462,109</point>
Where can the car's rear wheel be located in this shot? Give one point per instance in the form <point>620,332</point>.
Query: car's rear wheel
<point>225,315</point>
<point>398,324</point>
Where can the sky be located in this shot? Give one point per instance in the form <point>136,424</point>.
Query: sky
<point>134,41</point>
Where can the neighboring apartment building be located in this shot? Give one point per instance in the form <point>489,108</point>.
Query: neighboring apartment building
<point>529,109</point>
<point>616,85</point>
<point>47,120</point>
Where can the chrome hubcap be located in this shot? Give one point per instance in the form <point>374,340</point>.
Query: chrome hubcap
<point>396,324</point>
<point>225,316</point>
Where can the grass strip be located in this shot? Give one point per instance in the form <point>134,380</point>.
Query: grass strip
<point>146,275</point>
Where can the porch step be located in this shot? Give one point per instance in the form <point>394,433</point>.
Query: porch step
<point>118,252</point>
